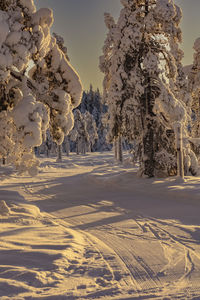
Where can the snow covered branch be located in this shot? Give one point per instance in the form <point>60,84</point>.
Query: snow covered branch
<point>46,95</point>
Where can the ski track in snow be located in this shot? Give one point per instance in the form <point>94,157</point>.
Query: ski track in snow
<point>137,238</point>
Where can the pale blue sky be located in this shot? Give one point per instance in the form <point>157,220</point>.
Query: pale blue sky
<point>81,23</point>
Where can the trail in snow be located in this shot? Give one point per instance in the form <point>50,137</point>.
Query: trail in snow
<point>141,237</point>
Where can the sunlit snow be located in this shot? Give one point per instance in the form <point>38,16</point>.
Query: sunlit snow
<point>88,228</point>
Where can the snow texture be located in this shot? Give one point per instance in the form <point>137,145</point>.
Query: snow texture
<point>87,228</point>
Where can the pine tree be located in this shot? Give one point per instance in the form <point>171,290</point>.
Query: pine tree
<point>105,61</point>
<point>66,145</point>
<point>59,89</point>
<point>91,130</point>
<point>139,70</point>
<point>79,133</point>
<point>83,105</point>
<point>92,102</point>
<point>102,143</point>
<point>61,44</point>
<point>194,89</point>
<point>118,149</point>
<point>59,153</point>
<point>46,96</point>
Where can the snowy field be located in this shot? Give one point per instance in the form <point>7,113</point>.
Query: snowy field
<point>88,228</point>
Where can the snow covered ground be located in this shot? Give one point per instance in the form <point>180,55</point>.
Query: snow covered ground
<point>87,228</point>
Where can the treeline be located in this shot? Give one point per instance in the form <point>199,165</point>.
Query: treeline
<point>89,133</point>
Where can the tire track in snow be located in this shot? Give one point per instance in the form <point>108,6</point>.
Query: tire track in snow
<point>182,251</point>
<point>121,277</point>
<point>144,278</point>
<point>119,268</point>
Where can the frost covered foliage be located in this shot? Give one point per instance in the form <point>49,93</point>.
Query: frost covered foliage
<point>59,89</point>
<point>143,84</point>
<point>92,102</point>
<point>61,44</point>
<point>108,49</point>
<point>91,129</point>
<point>6,134</point>
<point>31,103</point>
<point>194,89</point>
<point>79,134</point>
<point>94,114</point>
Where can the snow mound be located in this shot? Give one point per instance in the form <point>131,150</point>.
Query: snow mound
<point>27,210</point>
<point>4,209</point>
<point>41,254</point>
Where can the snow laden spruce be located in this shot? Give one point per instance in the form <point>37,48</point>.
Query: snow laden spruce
<point>93,113</point>
<point>79,133</point>
<point>32,100</point>
<point>194,89</point>
<point>145,86</point>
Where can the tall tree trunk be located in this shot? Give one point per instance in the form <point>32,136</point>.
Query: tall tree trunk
<point>119,147</point>
<point>59,153</point>
<point>179,146</point>
<point>90,147</point>
<point>67,146</point>
<point>48,149</point>
<point>83,145</point>
<point>147,116</point>
<point>77,146</point>
<point>149,125</point>
<point>148,145</point>
<point>115,149</point>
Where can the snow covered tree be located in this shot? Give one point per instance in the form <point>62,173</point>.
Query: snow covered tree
<point>105,64</point>
<point>140,61</point>
<point>102,143</point>
<point>31,102</point>
<point>6,135</point>
<point>118,149</point>
<point>59,153</point>
<point>61,44</point>
<point>83,105</point>
<point>59,88</point>
<point>48,143</point>
<point>91,130</point>
<point>194,89</point>
<point>92,103</point>
<point>79,133</point>
<point>66,145</point>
